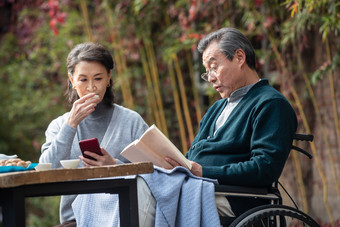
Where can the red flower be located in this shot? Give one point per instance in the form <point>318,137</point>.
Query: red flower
<point>61,17</point>
<point>269,21</point>
<point>183,38</point>
<point>258,3</point>
<point>56,16</point>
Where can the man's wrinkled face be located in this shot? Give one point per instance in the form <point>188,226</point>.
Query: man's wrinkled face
<point>223,72</point>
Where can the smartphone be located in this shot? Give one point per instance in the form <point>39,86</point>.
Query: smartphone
<point>90,145</point>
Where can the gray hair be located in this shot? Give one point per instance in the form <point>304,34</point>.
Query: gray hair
<point>229,40</point>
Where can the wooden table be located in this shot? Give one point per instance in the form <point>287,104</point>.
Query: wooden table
<point>16,186</point>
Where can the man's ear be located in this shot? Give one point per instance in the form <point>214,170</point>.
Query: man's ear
<point>240,56</point>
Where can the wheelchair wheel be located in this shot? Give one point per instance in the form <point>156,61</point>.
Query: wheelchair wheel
<point>274,215</point>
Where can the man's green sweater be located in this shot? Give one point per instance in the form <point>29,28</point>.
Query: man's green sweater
<point>252,146</point>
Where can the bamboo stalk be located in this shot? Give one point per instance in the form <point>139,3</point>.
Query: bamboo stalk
<point>121,70</point>
<point>85,13</point>
<point>151,95</point>
<point>178,108</point>
<point>317,160</point>
<point>119,59</point>
<point>154,73</point>
<point>125,82</point>
<point>301,185</point>
<point>334,104</point>
<point>194,89</point>
<point>190,128</point>
<point>184,98</point>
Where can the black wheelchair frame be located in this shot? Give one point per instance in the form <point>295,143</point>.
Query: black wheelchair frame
<point>272,214</point>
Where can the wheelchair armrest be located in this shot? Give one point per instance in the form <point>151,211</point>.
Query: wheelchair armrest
<point>241,189</point>
<point>270,193</point>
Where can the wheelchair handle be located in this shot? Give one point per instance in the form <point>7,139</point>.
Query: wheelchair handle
<point>303,137</point>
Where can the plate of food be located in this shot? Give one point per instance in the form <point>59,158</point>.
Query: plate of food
<point>15,164</point>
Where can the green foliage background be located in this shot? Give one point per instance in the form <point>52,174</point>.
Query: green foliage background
<point>33,52</point>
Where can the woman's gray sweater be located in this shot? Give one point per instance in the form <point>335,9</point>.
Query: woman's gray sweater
<point>114,127</point>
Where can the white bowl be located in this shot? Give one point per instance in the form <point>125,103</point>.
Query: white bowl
<point>43,166</point>
<point>70,164</point>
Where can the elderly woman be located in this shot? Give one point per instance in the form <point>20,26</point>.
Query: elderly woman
<point>93,115</point>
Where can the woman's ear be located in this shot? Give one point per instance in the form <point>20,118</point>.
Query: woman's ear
<point>71,80</point>
<point>70,77</point>
<point>109,75</point>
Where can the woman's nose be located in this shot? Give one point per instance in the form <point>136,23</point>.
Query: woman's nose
<point>91,86</point>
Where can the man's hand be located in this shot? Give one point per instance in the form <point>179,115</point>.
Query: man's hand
<point>196,168</point>
<point>101,160</point>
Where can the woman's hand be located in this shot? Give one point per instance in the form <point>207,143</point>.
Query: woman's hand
<point>196,168</point>
<point>101,160</point>
<point>81,109</point>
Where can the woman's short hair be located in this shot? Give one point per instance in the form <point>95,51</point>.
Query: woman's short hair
<point>89,52</point>
<point>229,40</point>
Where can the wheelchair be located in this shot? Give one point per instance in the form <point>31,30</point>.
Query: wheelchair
<point>273,213</point>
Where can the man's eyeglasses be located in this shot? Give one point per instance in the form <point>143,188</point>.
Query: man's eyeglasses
<point>211,73</point>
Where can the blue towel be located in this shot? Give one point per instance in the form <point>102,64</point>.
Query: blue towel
<point>182,200</point>
<point>100,209</point>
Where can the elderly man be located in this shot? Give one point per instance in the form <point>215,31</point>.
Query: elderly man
<point>244,138</point>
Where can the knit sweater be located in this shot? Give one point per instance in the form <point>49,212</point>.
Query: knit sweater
<point>251,148</point>
<point>115,127</point>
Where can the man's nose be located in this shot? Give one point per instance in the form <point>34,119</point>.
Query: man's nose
<point>211,78</point>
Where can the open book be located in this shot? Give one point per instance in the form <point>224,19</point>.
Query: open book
<point>154,146</point>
